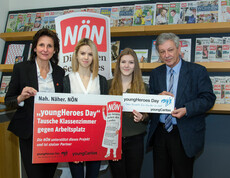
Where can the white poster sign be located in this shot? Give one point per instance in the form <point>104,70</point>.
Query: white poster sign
<point>148,103</point>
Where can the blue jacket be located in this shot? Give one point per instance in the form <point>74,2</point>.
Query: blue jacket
<point>194,92</point>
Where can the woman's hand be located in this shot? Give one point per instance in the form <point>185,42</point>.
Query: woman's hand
<point>26,93</point>
<point>137,116</point>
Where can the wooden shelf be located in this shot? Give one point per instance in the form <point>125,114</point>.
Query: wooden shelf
<point>147,67</point>
<point>216,66</point>
<point>17,36</point>
<point>210,66</point>
<point>220,109</point>
<point>1,99</point>
<point>198,28</point>
<point>6,67</point>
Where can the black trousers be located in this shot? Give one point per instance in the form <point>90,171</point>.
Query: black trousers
<point>46,170</point>
<point>169,155</point>
<point>92,169</point>
<point>132,158</point>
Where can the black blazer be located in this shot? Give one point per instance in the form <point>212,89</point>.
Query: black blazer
<point>25,74</point>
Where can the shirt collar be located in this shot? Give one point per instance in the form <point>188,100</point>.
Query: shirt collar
<point>176,68</point>
<point>38,71</point>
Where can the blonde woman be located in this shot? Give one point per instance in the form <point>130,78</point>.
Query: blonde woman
<point>84,79</point>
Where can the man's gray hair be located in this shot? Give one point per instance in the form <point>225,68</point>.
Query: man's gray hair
<point>163,37</point>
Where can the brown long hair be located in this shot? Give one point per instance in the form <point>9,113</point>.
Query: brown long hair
<point>137,84</point>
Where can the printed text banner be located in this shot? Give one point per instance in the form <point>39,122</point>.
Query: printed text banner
<point>70,127</point>
<point>148,103</point>
<point>72,27</point>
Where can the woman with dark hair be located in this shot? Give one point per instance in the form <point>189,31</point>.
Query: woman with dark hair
<point>84,79</point>
<point>128,79</point>
<point>41,73</point>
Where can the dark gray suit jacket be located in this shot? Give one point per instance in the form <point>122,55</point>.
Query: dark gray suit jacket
<point>25,74</point>
<point>194,92</point>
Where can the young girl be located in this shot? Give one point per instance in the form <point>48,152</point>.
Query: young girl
<point>85,79</point>
<point>128,78</point>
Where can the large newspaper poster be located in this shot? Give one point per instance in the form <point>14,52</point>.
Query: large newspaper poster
<point>74,26</point>
<point>70,127</point>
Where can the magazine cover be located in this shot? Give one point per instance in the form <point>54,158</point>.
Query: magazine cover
<point>29,53</point>
<point>45,21</point>
<point>207,11</point>
<point>227,91</point>
<point>13,51</point>
<point>219,89</point>
<point>126,16</point>
<point>83,9</point>
<point>94,10</point>
<point>146,79</point>
<point>174,13</point>
<point>106,11</point>
<point>29,22</point>
<point>11,22</point>
<point>202,49</point>
<point>66,11</point>
<point>224,11</point>
<point>4,85</point>
<point>188,12</point>
<point>53,15</point>
<point>142,55</point>
<point>226,49</point>
<point>20,22</point>
<point>38,21</point>
<point>18,59</point>
<point>162,13</point>
<point>115,47</point>
<point>70,11</point>
<point>114,18</point>
<point>144,14</point>
<point>154,53</point>
<point>186,49</point>
<point>215,49</point>
<point>216,89</point>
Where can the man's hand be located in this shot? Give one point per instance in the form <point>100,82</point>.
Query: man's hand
<point>179,113</point>
<point>166,93</point>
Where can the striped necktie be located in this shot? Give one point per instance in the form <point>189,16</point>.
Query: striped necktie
<point>168,119</point>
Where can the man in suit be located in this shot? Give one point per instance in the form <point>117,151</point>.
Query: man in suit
<point>177,138</point>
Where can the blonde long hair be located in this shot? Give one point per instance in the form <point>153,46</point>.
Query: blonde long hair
<point>94,67</point>
<point>137,84</point>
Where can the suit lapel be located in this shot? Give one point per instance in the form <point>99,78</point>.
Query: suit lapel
<point>56,79</point>
<point>182,82</point>
<point>162,77</point>
<point>32,74</point>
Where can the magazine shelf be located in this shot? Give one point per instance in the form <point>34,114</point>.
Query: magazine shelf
<point>198,28</point>
<point>220,27</point>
